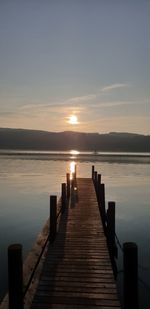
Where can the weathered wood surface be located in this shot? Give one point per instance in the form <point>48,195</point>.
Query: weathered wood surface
<point>77,271</point>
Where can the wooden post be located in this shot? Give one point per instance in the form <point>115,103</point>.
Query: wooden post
<point>73,181</point>
<point>75,175</point>
<point>75,171</point>
<point>99,178</point>
<point>102,202</point>
<point>93,172</point>
<point>63,197</point>
<point>53,217</point>
<point>111,227</point>
<point>98,188</point>
<point>95,181</point>
<point>68,185</point>
<point>130,261</point>
<point>15,276</point>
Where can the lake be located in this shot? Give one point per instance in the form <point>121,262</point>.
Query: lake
<point>28,178</point>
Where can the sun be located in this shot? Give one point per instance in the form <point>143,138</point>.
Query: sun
<point>73,119</point>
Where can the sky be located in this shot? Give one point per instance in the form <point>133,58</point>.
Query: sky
<point>88,58</point>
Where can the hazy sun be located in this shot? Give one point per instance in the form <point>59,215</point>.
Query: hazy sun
<point>73,119</point>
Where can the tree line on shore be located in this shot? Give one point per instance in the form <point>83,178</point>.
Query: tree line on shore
<point>42,140</point>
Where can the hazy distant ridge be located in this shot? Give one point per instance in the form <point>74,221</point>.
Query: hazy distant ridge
<point>43,140</point>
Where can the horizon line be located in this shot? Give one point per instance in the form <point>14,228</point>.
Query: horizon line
<point>72,131</point>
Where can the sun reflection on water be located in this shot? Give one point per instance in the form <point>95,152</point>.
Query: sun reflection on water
<point>74,152</point>
<point>72,169</point>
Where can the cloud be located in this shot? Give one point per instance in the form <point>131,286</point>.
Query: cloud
<point>113,87</point>
<point>51,109</point>
<point>107,104</point>
<point>81,99</point>
<point>73,103</point>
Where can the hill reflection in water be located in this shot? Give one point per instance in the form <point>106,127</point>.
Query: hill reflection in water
<point>87,156</point>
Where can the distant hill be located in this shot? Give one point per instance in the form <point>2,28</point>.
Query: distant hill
<point>43,140</point>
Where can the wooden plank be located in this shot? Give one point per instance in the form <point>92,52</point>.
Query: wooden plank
<point>77,294</point>
<point>86,278</point>
<point>84,284</point>
<point>76,301</point>
<point>80,288</point>
<point>99,276</point>
<point>62,306</point>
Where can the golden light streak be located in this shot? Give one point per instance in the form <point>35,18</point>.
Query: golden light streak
<point>74,152</point>
<point>72,168</point>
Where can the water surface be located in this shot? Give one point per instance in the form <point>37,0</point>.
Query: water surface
<point>28,178</point>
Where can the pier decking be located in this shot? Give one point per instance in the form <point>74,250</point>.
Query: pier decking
<point>77,271</point>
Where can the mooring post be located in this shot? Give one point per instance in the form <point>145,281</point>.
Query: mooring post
<point>130,262</point>
<point>93,172</point>
<point>68,185</point>
<point>75,175</point>
<point>99,178</point>
<point>75,171</point>
<point>53,217</point>
<point>15,276</point>
<point>98,188</point>
<point>73,181</point>
<point>102,203</point>
<point>63,197</point>
<point>111,227</point>
<point>95,181</point>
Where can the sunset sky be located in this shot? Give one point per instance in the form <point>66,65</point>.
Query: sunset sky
<point>85,58</point>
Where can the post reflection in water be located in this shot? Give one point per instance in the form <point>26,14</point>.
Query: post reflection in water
<point>74,191</point>
<point>72,169</point>
<point>74,154</point>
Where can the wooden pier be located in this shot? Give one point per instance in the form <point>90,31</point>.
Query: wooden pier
<point>71,265</point>
<point>77,271</point>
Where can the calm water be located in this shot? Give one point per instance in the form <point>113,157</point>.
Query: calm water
<point>27,180</point>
